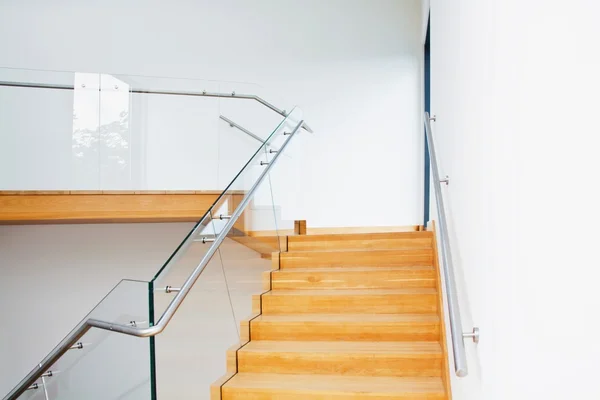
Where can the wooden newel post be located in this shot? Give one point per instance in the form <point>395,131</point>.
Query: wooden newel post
<point>300,227</point>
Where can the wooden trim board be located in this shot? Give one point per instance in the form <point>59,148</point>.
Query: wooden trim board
<point>441,314</point>
<point>97,192</point>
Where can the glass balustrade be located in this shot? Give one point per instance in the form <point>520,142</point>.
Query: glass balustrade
<point>220,261</point>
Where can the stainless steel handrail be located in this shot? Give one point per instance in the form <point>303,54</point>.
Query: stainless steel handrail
<point>163,92</point>
<point>241,128</point>
<point>169,312</point>
<point>247,132</point>
<point>458,344</point>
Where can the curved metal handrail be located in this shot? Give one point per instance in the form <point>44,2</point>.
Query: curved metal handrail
<point>458,344</point>
<point>204,93</point>
<point>169,312</point>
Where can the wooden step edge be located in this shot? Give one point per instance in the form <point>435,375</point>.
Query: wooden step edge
<point>356,268</point>
<point>364,258</point>
<point>351,292</point>
<point>413,349</point>
<point>216,388</point>
<point>232,357</point>
<point>420,250</point>
<point>375,359</point>
<point>266,275</point>
<point>330,327</point>
<point>343,318</point>
<point>348,278</point>
<point>342,283</point>
<point>245,336</point>
<point>362,229</point>
<point>338,384</point>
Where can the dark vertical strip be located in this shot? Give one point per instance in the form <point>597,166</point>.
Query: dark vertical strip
<point>153,395</point>
<point>427,166</point>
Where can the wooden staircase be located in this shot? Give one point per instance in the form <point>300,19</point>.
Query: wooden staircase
<point>352,316</point>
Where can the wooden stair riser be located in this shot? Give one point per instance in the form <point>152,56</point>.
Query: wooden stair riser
<point>362,364</point>
<point>290,394</point>
<point>347,258</point>
<point>348,331</point>
<point>349,304</point>
<point>311,386</point>
<point>418,277</point>
<point>406,240</point>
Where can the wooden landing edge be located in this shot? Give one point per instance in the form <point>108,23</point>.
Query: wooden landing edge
<point>245,332</point>
<point>441,314</point>
<point>108,206</point>
<point>109,192</point>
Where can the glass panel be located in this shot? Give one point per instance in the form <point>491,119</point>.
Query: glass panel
<point>49,136</point>
<point>255,219</point>
<point>249,247</point>
<point>235,145</point>
<point>106,365</point>
<point>36,392</point>
<point>194,346</point>
<point>124,132</point>
<point>282,178</point>
<point>173,137</point>
<point>190,352</point>
<point>292,189</point>
<point>114,138</point>
<point>182,263</point>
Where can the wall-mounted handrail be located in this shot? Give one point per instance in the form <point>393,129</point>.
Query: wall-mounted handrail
<point>458,344</point>
<point>204,93</point>
<point>170,311</point>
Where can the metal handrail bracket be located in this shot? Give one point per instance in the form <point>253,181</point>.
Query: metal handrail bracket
<point>241,128</point>
<point>458,345</point>
<point>66,344</point>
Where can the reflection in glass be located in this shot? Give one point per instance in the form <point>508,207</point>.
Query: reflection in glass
<point>114,134</point>
<point>86,103</point>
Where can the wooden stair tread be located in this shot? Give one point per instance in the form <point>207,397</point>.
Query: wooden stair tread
<point>420,349</point>
<point>346,327</point>
<point>349,301</point>
<point>340,357</point>
<point>360,257</point>
<point>350,292</point>
<point>410,250</point>
<point>333,384</point>
<point>358,318</point>
<point>374,241</point>
<point>353,278</point>
<point>358,269</point>
<point>360,235</point>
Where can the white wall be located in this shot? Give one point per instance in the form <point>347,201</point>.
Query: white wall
<point>53,275</point>
<point>514,88</point>
<point>352,66</point>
